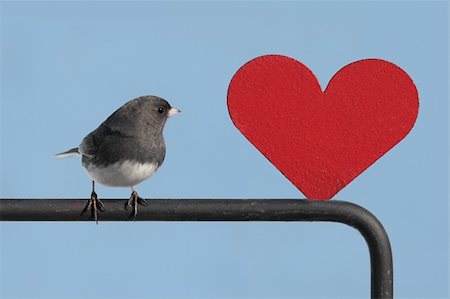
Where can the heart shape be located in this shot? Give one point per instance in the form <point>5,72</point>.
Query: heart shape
<point>321,141</point>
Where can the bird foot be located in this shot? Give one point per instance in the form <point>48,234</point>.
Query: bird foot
<point>133,202</point>
<point>93,204</point>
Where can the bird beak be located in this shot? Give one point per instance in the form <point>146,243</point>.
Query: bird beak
<point>173,111</point>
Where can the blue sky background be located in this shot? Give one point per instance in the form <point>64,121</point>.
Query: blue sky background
<point>66,66</point>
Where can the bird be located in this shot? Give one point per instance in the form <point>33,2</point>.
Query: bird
<point>126,149</point>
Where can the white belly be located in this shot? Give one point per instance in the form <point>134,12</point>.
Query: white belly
<point>122,174</point>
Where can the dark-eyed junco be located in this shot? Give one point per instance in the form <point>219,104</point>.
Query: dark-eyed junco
<point>127,148</point>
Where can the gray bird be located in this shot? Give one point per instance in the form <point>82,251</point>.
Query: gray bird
<point>127,148</point>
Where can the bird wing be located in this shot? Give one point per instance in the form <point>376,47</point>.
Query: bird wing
<point>98,139</point>
<point>88,146</point>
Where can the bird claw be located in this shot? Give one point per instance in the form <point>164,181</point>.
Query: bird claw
<point>133,202</point>
<point>93,204</point>
<point>100,206</point>
<point>142,201</point>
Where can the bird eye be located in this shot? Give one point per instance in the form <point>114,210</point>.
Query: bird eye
<point>160,110</point>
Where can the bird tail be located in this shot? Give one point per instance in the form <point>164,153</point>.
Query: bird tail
<point>69,153</point>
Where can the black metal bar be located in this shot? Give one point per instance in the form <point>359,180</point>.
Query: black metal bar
<point>226,210</point>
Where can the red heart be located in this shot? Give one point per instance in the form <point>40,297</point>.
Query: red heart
<point>319,140</point>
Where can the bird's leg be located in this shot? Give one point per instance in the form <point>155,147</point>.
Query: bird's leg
<point>93,204</point>
<point>134,201</point>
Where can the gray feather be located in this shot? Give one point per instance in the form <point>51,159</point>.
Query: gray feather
<point>133,132</point>
<point>70,153</point>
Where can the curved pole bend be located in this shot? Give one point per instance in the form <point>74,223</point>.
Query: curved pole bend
<point>226,210</point>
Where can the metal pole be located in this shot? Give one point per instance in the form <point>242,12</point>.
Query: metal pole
<point>226,210</point>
